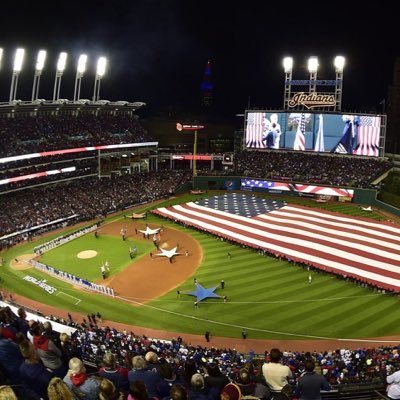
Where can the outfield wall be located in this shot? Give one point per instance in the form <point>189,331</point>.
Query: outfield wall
<point>361,196</point>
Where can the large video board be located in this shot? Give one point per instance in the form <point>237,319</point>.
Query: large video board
<point>302,131</point>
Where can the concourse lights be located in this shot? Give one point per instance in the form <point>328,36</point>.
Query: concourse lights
<point>19,58</point>
<point>62,60</point>
<point>101,66</point>
<point>288,64</point>
<point>312,64</point>
<point>40,60</point>
<point>339,63</point>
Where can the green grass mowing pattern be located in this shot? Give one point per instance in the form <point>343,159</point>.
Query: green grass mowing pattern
<point>265,295</point>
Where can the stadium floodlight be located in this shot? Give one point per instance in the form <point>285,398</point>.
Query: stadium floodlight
<point>62,61</point>
<point>79,74</point>
<point>18,60</point>
<point>100,71</point>
<point>288,64</point>
<point>82,64</point>
<point>38,72</point>
<point>313,64</point>
<point>339,63</point>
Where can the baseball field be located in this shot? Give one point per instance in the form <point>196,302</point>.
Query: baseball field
<point>271,298</point>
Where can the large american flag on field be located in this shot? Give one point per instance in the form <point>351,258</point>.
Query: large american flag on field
<point>254,130</point>
<point>358,247</point>
<point>368,136</point>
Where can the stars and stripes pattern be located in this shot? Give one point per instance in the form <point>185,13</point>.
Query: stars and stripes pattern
<point>300,139</point>
<point>254,130</point>
<point>358,247</point>
<point>368,136</point>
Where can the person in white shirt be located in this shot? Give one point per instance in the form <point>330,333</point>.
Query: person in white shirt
<point>276,374</point>
<point>393,390</point>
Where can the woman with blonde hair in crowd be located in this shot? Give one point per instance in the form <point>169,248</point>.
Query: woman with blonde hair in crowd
<point>58,390</point>
<point>6,393</point>
<point>109,392</point>
<point>79,382</point>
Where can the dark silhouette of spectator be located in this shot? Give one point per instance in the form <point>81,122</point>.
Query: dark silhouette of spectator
<point>111,371</point>
<point>310,383</point>
<point>32,372</point>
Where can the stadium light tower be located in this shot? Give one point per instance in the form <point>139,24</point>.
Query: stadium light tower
<point>288,67</point>
<point>62,60</point>
<point>194,128</point>
<point>339,66</point>
<point>100,71</point>
<point>313,68</point>
<point>38,72</point>
<point>79,74</point>
<point>18,60</point>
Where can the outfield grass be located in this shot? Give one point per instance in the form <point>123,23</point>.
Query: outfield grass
<point>271,298</point>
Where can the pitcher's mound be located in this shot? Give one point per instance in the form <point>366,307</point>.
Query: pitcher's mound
<point>87,254</point>
<point>19,264</point>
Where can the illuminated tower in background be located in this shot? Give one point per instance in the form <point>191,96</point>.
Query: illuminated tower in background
<point>207,86</point>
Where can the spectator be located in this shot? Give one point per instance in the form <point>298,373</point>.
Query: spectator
<point>49,353</point>
<point>32,372</point>
<point>310,383</point>
<point>10,357</point>
<point>393,389</point>
<point>214,377</point>
<point>6,393</point>
<point>138,391</point>
<point>140,372</point>
<point>117,375</point>
<point>168,380</point>
<point>178,392</point>
<point>109,392</point>
<point>248,387</point>
<point>58,390</point>
<point>79,382</point>
<point>276,375</point>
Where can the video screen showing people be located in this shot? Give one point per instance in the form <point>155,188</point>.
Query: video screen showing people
<point>302,131</point>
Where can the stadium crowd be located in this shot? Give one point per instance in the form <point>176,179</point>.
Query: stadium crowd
<point>311,168</point>
<point>85,198</point>
<point>150,366</point>
<point>45,133</point>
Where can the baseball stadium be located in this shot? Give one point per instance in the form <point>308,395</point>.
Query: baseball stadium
<point>286,241</point>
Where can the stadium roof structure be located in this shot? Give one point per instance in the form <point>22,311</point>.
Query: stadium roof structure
<point>42,105</point>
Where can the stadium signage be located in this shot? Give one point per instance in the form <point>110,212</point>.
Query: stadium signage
<point>311,100</point>
<point>41,283</point>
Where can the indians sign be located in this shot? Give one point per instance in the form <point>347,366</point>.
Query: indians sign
<point>311,100</point>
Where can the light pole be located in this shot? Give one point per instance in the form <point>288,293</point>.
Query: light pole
<point>100,71</point>
<point>1,55</point>
<point>79,74</point>
<point>194,128</point>
<point>288,67</point>
<point>313,68</point>
<point>339,66</point>
<point>62,60</point>
<point>18,59</point>
<point>38,72</point>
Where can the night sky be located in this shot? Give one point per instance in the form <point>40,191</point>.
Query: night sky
<point>157,50</point>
